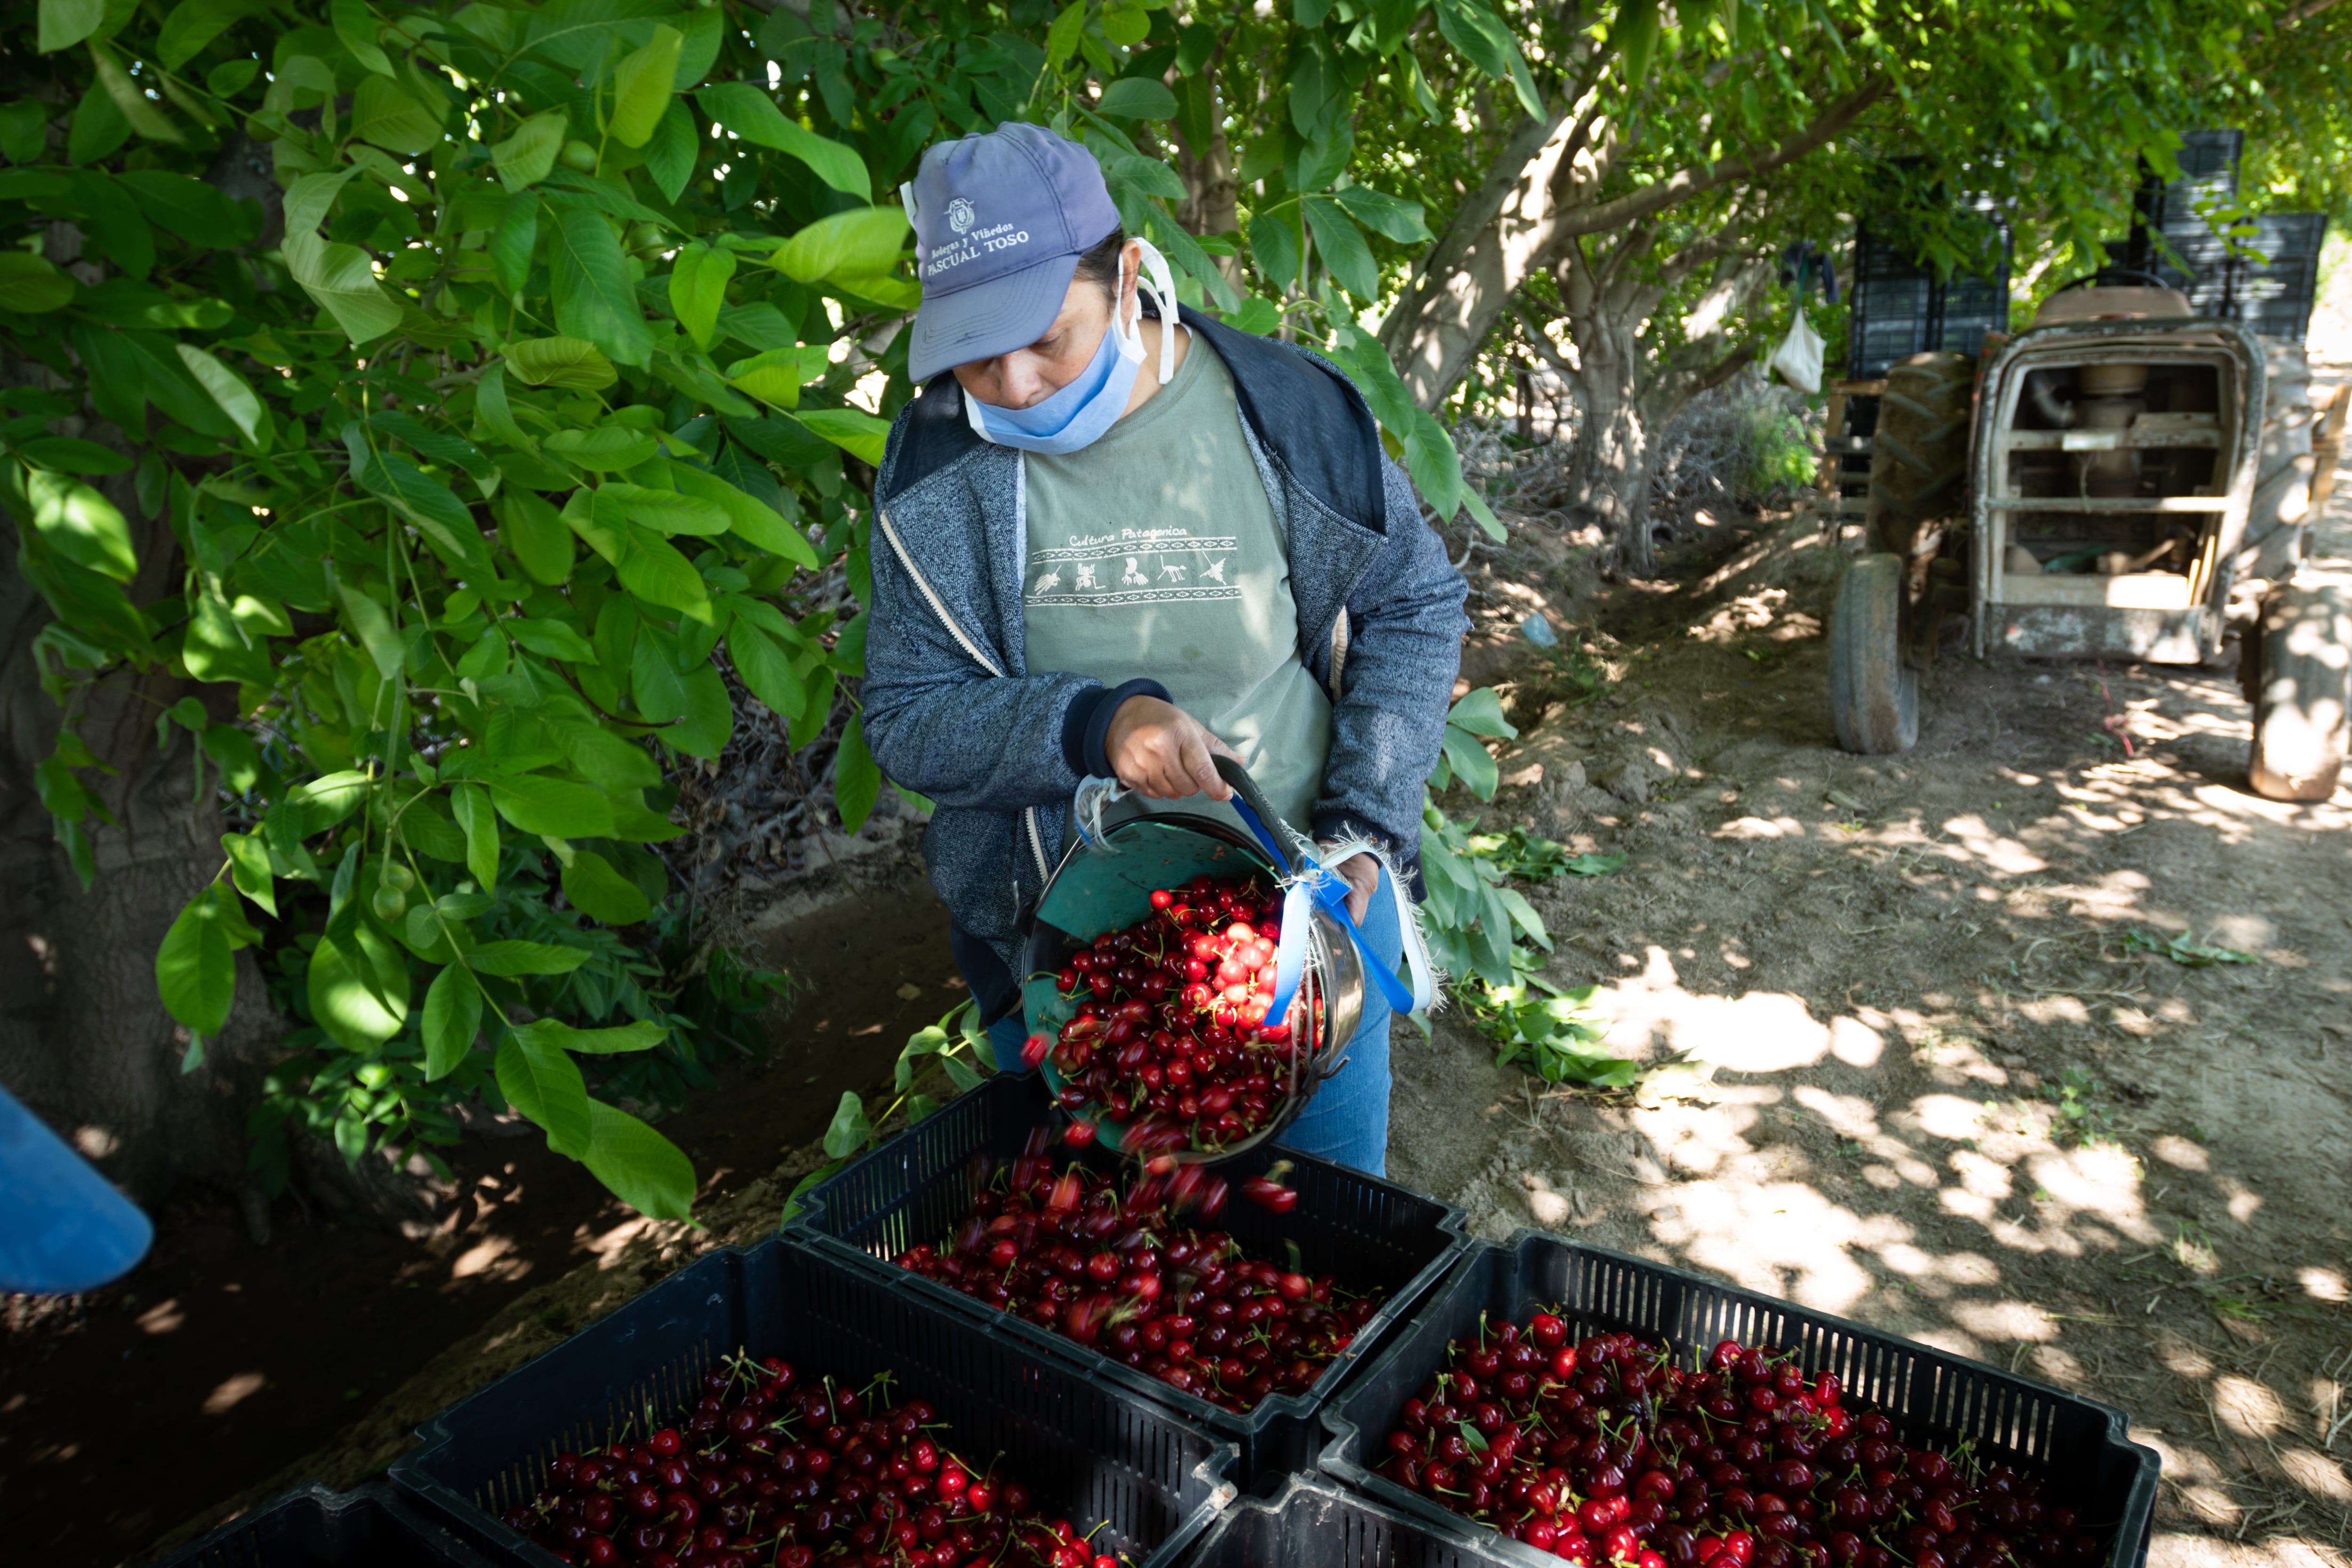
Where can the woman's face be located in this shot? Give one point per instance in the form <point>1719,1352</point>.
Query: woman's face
<point>1030,376</point>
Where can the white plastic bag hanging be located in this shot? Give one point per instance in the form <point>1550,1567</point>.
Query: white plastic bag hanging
<point>1798,359</point>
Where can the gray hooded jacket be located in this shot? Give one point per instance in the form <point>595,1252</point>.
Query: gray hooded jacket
<point>952,713</point>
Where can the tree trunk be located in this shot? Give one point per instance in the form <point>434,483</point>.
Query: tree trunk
<point>1609,468</point>
<point>84,1038</point>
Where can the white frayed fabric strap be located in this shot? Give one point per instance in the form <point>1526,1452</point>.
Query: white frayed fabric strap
<point>1321,885</point>
<point>1094,797</point>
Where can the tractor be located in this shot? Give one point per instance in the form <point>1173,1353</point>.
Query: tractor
<point>2125,481</point>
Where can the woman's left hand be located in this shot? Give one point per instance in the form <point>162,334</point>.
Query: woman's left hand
<point>1363,875</point>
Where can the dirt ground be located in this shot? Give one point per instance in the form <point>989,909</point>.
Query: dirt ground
<point>1937,1082</point>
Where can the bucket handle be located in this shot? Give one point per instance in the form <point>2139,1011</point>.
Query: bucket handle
<point>1312,885</point>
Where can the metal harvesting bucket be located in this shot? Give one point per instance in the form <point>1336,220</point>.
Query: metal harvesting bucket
<point>1105,883</point>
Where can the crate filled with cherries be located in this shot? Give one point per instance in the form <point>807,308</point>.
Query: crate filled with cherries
<point>1604,1451</point>
<point>1142,1275</point>
<point>1167,1041</point>
<point>771,1469</point>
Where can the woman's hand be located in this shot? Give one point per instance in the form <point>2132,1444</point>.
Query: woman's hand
<point>1362,875</point>
<point>1160,751</point>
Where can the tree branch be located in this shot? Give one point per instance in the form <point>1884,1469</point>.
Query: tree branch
<point>1697,179</point>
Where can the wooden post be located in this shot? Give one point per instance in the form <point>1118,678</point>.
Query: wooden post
<point>2330,404</point>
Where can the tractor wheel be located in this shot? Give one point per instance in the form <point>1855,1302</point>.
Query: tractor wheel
<point>2279,513</point>
<point>1874,694</point>
<point>2299,679</point>
<point>1919,455</point>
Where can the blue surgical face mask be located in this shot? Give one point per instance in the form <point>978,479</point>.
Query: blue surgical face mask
<point>1075,417</point>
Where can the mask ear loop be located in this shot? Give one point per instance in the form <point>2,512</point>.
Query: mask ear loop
<point>1152,272</point>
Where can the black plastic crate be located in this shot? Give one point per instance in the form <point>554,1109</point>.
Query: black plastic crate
<point>1365,1231</point>
<point>2076,1446</point>
<point>314,1527</point>
<point>1313,1524</point>
<point>1087,1453</point>
<point>2274,294</point>
<point>1901,307</point>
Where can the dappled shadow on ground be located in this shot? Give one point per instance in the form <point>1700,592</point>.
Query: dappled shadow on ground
<point>1976,1064</point>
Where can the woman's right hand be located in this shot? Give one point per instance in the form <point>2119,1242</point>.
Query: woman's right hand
<point>1160,751</point>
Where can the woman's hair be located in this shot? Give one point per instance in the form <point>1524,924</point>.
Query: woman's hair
<point>1100,265</point>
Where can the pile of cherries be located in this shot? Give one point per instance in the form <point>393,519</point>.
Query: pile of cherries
<point>1166,1042</point>
<point>770,1471</point>
<point>1603,1451</point>
<point>1128,1277</point>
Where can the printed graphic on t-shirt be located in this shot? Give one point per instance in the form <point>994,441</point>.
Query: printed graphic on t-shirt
<point>1133,566</point>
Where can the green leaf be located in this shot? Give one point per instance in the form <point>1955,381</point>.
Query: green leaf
<point>766,671</point>
<point>375,630</point>
<point>78,523</point>
<point>856,778</point>
<point>192,23</point>
<point>195,969</point>
<point>1341,245</point>
<point>751,520</point>
<point>698,290</point>
<point>328,799</point>
<point>29,286</point>
<point>470,805</point>
<point>854,431</point>
<point>1391,216</point>
<point>358,30</point>
<point>546,1086</point>
<point>358,987</point>
<point>1274,246</point>
<point>654,571</point>
<point>568,363</point>
<point>514,241</point>
<point>144,116</point>
<point>534,532</point>
<point>201,214</point>
<point>641,87</point>
<point>381,112</point>
<point>775,377</point>
<point>849,1131</point>
<point>747,111</point>
<point>1487,42</point>
<point>702,731</point>
<point>453,1016</point>
<point>1062,37</point>
<point>1471,763</point>
<point>509,959</point>
<point>229,390</point>
<point>1136,98</point>
<point>860,242</point>
<point>641,1035</point>
<point>448,526</point>
<point>602,893</point>
<point>555,807</point>
<point>589,284</point>
<point>670,154</point>
<point>72,455</point>
<point>524,158</point>
<point>64,23</point>
<point>1481,713</point>
<point>1593,865</point>
<point>1635,33</point>
<point>641,1167</point>
<point>341,279</point>
<point>663,511</point>
<point>249,869</point>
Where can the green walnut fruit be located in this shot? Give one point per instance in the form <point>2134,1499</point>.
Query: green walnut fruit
<point>389,903</point>
<point>646,238</point>
<point>579,155</point>
<point>397,875</point>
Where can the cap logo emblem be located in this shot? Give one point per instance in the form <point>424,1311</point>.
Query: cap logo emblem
<point>959,215</point>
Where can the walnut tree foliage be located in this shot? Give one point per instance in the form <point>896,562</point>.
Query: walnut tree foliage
<point>503,377</point>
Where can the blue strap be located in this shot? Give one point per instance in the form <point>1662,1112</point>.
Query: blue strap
<point>1331,891</point>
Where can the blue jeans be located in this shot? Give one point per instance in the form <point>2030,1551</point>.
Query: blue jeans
<point>1348,1121</point>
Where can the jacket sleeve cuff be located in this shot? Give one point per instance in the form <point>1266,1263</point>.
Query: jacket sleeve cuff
<point>1086,729</point>
<point>1095,739</point>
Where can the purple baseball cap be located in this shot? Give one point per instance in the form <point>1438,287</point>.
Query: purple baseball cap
<point>1001,220</point>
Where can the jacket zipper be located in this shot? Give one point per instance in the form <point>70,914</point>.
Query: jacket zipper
<point>938,608</point>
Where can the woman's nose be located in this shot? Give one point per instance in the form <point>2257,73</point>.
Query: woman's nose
<point>1018,382</point>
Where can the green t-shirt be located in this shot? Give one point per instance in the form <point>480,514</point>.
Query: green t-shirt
<point>1155,552</point>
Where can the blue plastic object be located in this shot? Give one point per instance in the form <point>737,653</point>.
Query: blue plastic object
<point>63,1228</point>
